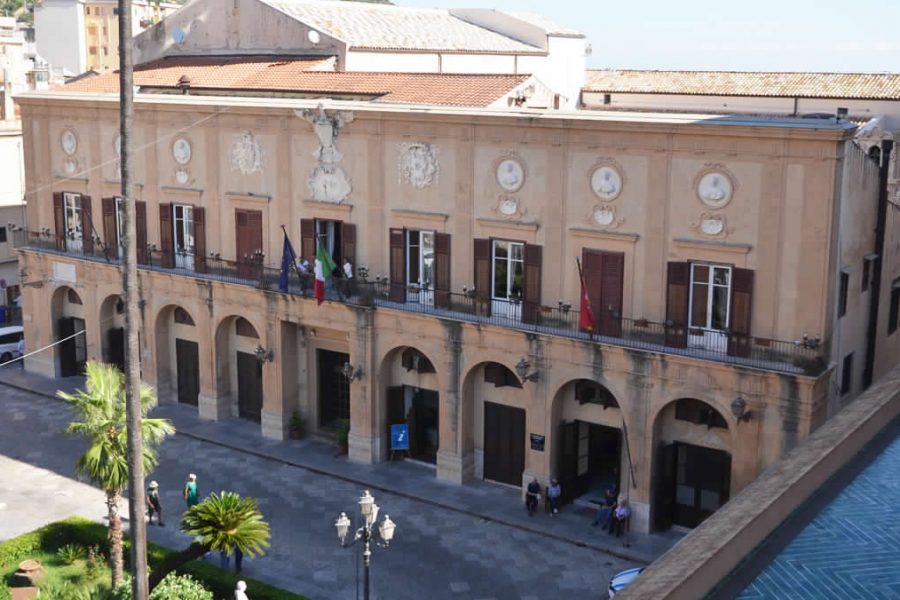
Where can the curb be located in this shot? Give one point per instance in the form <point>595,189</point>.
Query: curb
<point>624,555</point>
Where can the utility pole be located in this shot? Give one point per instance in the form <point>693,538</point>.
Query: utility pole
<point>137,527</point>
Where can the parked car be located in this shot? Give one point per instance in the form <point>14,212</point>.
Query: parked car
<point>9,342</point>
<point>623,579</point>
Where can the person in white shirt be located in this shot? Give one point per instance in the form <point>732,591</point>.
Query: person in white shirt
<point>305,276</point>
<point>348,278</point>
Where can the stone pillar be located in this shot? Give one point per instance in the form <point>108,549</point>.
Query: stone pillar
<point>276,413</point>
<point>451,465</point>
<point>364,437</point>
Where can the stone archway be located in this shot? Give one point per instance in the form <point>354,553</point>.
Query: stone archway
<point>68,315</point>
<point>239,381</point>
<point>112,331</point>
<point>177,356</point>
<point>410,387</point>
<point>692,462</point>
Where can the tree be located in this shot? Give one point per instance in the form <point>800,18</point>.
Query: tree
<point>221,522</point>
<point>101,419</point>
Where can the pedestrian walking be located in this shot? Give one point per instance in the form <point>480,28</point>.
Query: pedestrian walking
<point>238,560</point>
<point>240,591</point>
<point>554,492</point>
<point>532,496</point>
<point>20,350</point>
<point>154,505</point>
<point>191,497</point>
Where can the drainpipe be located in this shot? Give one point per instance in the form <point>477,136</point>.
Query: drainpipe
<point>875,286</point>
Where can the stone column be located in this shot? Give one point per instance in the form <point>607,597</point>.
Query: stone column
<point>281,338</point>
<point>364,438</point>
<point>451,464</point>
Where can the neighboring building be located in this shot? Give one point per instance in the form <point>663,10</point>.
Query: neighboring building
<point>361,36</point>
<point>80,35</point>
<point>723,258</point>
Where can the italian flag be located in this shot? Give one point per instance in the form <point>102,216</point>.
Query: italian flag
<point>324,266</point>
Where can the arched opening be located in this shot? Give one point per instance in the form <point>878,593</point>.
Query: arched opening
<point>238,368</point>
<point>589,452</point>
<point>68,315</point>
<point>412,406</point>
<point>494,419</point>
<point>692,475</point>
<point>177,356</point>
<point>112,327</point>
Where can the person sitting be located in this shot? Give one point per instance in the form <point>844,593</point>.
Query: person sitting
<point>606,509</point>
<point>532,496</point>
<point>620,516</point>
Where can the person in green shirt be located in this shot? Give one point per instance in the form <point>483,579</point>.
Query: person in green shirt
<point>190,491</point>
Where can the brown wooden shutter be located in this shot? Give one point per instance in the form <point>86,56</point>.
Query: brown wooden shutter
<point>677,297</point>
<point>612,287</point>
<point>442,270</point>
<point>398,265</point>
<point>482,252</point>
<point>166,240</point>
<point>531,298</point>
<point>308,239</point>
<point>87,226</point>
<point>140,228</point>
<point>110,232</point>
<point>348,245</point>
<point>740,342</point>
<point>199,239</point>
<point>59,220</point>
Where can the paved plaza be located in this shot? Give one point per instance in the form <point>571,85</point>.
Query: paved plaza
<point>472,541</point>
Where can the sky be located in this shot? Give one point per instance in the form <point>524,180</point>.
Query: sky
<point>733,35</point>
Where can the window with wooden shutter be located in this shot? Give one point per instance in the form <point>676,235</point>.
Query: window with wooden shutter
<point>398,265</point>
<point>442,270</point>
<point>531,298</point>
<point>199,239</point>
<point>140,226</point>
<point>87,229</point>
<point>308,239</point>
<point>482,270</point>
<point>110,228</point>
<point>348,244</point>
<point>59,220</point>
<point>166,240</point>
<point>677,299</point>
<point>604,275</point>
<point>739,340</point>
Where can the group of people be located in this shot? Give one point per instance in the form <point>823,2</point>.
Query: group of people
<point>344,275</point>
<point>192,498</point>
<point>613,514</point>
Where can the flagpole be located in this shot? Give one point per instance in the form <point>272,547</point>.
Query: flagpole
<point>587,296</point>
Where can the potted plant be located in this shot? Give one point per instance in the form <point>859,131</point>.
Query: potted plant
<point>297,427</point>
<point>343,438</point>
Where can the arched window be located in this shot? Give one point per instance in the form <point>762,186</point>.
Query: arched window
<point>182,317</point>
<point>243,327</point>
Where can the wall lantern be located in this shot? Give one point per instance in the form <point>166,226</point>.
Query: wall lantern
<point>522,369</point>
<point>351,372</point>
<point>263,355</point>
<point>739,409</point>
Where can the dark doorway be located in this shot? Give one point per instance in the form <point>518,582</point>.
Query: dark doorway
<point>692,483</point>
<point>188,373</point>
<point>334,389</point>
<point>249,374</point>
<point>504,443</point>
<point>417,408</point>
<point>73,351</point>
<point>589,460</point>
<point>115,347</point>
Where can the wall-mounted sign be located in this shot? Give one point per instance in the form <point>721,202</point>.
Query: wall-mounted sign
<point>537,442</point>
<point>400,437</point>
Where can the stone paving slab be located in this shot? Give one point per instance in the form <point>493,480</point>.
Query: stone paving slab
<point>448,536</point>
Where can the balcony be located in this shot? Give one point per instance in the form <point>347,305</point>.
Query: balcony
<point>801,357</point>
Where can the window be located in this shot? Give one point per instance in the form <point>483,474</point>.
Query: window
<point>842,299</point>
<point>895,306</point>
<point>184,236</point>
<point>72,297</point>
<point>866,274</point>
<point>73,223</point>
<point>500,376</point>
<point>105,51</point>
<point>509,269</point>
<point>420,258</point>
<point>92,50</point>
<point>710,297</point>
<point>607,99</point>
<point>2,235</point>
<point>115,11</point>
<point>182,317</point>
<point>698,412</point>
<point>244,328</point>
<point>847,374</point>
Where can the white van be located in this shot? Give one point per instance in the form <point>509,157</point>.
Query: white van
<point>9,342</point>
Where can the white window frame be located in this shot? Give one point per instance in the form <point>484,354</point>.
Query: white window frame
<point>184,255</point>
<point>502,305</point>
<point>120,227</point>
<point>74,232</point>
<point>709,337</point>
<point>425,260</point>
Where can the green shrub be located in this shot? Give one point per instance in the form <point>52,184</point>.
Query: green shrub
<point>182,587</point>
<point>5,594</point>
<point>50,538</point>
<point>69,553</point>
<point>66,591</point>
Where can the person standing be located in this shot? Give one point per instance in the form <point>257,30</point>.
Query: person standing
<point>303,270</point>
<point>348,278</point>
<point>554,492</point>
<point>620,516</point>
<point>532,496</point>
<point>191,497</point>
<point>20,350</point>
<point>154,505</point>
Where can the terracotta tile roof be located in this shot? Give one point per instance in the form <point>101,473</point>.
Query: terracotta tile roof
<point>744,83</point>
<point>257,75</point>
<point>385,26</point>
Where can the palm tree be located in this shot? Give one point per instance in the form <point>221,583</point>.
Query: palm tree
<point>221,522</point>
<point>101,419</point>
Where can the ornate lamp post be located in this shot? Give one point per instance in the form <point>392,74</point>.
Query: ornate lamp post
<point>369,512</point>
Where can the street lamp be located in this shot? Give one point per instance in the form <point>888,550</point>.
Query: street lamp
<point>369,512</point>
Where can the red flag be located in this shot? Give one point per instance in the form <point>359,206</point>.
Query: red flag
<point>586,315</point>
